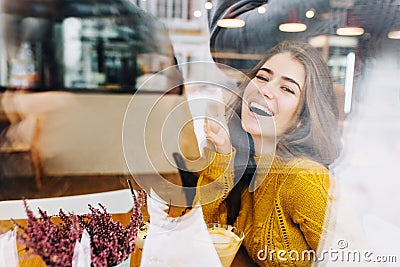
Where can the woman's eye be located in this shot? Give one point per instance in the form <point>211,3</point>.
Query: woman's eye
<point>287,89</point>
<point>262,78</point>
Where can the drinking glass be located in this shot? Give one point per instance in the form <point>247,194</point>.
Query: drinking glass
<point>227,240</point>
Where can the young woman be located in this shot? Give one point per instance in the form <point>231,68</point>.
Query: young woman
<point>269,176</point>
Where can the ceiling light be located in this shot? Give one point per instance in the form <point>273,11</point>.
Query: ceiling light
<point>197,13</point>
<point>395,34</point>
<point>350,25</point>
<point>310,13</point>
<point>350,31</point>
<point>231,23</point>
<point>293,27</point>
<point>261,10</point>
<point>293,24</point>
<point>208,5</point>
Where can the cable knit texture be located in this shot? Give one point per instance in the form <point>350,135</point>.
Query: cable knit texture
<point>284,214</point>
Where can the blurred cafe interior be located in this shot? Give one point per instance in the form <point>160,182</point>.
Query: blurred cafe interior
<point>89,89</point>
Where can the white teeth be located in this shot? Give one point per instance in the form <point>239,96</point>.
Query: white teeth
<point>261,107</point>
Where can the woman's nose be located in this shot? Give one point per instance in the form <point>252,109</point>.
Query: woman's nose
<point>268,90</point>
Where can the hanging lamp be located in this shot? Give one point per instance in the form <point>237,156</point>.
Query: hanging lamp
<point>350,26</point>
<point>394,34</point>
<point>293,24</point>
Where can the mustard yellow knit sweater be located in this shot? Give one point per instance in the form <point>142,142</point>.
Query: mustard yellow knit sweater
<point>282,218</point>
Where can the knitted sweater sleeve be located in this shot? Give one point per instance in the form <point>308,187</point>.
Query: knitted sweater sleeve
<point>214,184</point>
<point>306,197</point>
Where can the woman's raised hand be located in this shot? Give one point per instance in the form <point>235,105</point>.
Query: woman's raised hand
<point>216,129</point>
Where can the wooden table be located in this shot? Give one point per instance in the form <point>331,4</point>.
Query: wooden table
<point>27,259</point>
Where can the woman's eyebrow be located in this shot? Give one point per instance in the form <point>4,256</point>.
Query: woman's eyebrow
<point>267,70</point>
<point>292,81</point>
<point>283,77</point>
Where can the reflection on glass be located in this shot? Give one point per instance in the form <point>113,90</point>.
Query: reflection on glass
<point>96,54</point>
<point>23,71</point>
<point>79,44</point>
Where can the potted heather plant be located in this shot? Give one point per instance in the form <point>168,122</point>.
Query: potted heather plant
<point>111,243</point>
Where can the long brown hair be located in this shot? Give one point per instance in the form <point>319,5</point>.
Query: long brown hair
<point>315,135</point>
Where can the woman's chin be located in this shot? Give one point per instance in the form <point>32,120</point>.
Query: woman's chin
<point>256,131</point>
<point>257,128</point>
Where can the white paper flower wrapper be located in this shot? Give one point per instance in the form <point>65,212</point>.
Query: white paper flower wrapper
<point>182,241</point>
<point>8,249</point>
<point>81,257</point>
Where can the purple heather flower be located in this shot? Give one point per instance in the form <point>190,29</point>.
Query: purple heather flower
<point>111,242</point>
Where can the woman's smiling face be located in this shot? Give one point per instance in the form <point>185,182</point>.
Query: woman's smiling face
<point>271,99</point>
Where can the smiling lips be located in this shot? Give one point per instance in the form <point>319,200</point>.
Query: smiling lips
<point>260,109</point>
